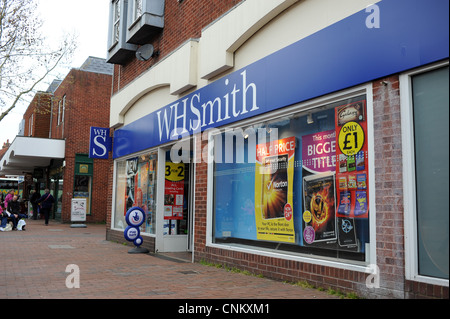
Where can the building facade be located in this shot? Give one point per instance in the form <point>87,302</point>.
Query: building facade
<point>54,151</point>
<point>287,138</point>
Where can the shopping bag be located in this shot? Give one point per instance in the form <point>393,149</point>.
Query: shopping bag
<point>21,224</point>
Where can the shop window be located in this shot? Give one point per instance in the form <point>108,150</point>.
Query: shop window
<point>136,186</point>
<point>430,99</point>
<point>297,185</point>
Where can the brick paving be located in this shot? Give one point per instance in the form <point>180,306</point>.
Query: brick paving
<point>33,266</point>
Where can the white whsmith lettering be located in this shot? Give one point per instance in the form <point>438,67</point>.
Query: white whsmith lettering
<point>173,120</point>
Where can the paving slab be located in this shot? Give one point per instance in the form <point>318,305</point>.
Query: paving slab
<point>60,262</point>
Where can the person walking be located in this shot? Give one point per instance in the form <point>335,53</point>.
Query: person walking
<point>46,202</point>
<point>34,197</point>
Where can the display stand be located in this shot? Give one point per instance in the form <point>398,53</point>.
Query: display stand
<point>135,217</point>
<point>78,213</point>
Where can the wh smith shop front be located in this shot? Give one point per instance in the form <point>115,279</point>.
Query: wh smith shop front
<point>298,150</point>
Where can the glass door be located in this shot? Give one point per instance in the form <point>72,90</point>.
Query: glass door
<point>177,208</point>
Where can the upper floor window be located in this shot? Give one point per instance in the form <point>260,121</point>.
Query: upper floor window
<point>30,125</point>
<point>116,21</point>
<point>119,51</point>
<point>132,23</point>
<point>137,9</point>
<point>145,19</point>
<point>61,110</point>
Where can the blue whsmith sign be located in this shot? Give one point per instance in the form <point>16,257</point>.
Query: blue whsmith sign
<point>99,143</point>
<point>350,52</point>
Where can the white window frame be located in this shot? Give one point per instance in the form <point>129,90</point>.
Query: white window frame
<point>115,38</point>
<point>409,177</point>
<point>366,266</point>
<point>59,112</point>
<point>138,9</point>
<point>63,108</point>
<point>30,125</point>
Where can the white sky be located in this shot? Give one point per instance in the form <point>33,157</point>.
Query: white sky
<point>88,19</point>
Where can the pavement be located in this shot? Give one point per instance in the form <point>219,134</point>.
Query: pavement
<point>51,262</point>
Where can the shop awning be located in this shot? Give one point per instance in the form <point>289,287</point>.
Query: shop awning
<point>27,153</point>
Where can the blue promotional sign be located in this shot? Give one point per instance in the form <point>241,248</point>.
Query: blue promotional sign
<point>350,52</point>
<point>131,233</point>
<point>99,143</point>
<point>134,217</point>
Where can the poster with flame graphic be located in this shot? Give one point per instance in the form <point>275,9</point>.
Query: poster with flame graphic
<point>319,210</point>
<point>274,175</point>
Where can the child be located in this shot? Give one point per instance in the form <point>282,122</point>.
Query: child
<point>3,217</point>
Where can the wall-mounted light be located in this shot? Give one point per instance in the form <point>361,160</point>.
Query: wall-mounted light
<point>309,119</point>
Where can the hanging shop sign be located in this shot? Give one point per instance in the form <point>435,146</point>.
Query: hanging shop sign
<point>274,177</point>
<point>99,143</point>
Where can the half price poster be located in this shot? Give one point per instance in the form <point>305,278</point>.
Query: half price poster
<point>274,176</point>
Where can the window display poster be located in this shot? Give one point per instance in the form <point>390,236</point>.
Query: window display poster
<point>174,191</point>
<point>274,176</point>
<point>319,152</point>
<point>319,217</point>
<point>132,181</point>
<point>352,160</point>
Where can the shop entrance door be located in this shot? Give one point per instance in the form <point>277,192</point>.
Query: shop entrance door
<point>177,206</point>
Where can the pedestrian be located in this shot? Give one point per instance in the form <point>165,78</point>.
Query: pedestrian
<point>14,211</point>
<point>3,216</point>
<point>46,202</point>
<point>9,196</point>
<point>34,197</point>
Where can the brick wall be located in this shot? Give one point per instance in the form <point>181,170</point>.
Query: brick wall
<point>182,21</point>
<point>87,104</point>
<point>40,109</point>
<point>389,186</point>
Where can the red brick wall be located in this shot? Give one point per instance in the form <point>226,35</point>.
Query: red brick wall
<point>182,21</point>
<point>40,108</point>
<point>389,183</point>
<point>87,104</point>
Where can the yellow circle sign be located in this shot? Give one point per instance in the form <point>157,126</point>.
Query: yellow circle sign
<point>351,138</point>
<point>307,216</point>
<point>174,172</point>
